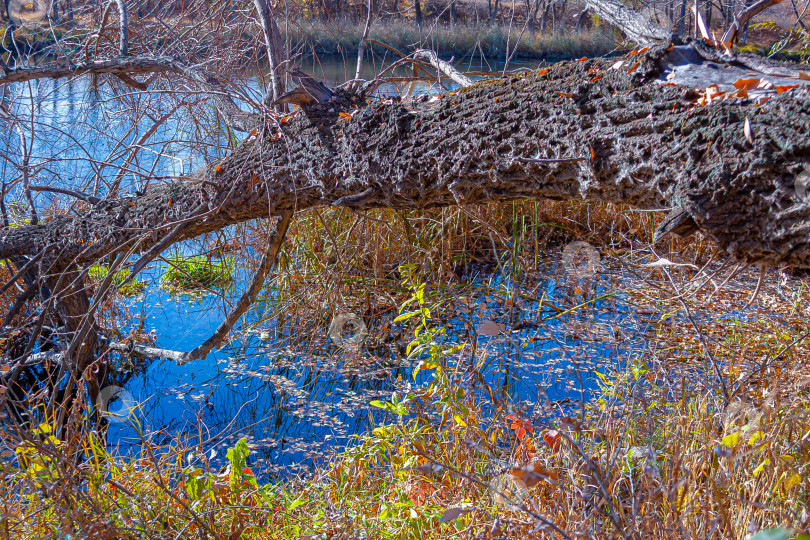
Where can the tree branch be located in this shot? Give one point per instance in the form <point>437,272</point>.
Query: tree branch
<point>635,26</point>
<point>203,82</point>
<point>443,67</point>
<point>647,145</point>
<point>267,262</point>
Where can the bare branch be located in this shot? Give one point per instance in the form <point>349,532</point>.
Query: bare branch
<point>731,35</point>
<point>267,262</point>
<point>204,82</point>
<point>443,67</point>
<point>633,24</point>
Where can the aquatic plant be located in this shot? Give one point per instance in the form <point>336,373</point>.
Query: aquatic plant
<point>99,272</point>
<point>194,274</point>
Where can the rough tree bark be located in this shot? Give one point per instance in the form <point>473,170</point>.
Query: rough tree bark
<point>630,140</point>
<point>596,129</point>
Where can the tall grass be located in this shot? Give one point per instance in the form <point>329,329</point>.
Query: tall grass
<point>462,40</point>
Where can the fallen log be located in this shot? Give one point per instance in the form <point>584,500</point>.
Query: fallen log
<point>647,144</point>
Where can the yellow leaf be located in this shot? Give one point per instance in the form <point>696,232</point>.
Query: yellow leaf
<point>792,481</point>
<point>731,440</point>
<point>459,420</point>
<point>761,467</point>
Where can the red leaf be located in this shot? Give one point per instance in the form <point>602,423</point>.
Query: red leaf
<point>553,439</point>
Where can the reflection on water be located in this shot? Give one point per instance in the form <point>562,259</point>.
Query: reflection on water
<point>296,397</point>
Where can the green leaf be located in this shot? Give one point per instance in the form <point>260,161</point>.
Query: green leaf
<point>237,457</point>
<point>406,316</point>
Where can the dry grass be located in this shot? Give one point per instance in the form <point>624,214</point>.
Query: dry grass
<point>462,41</point>
<point>659,452</point>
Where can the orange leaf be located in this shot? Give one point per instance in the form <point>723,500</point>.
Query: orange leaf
<point>633,68</point>
<point>583,59</point>
<point>804,76</point>
<point>671,46</point>
<point>344,115</point>
<point>533,474</point>
<point>645,49</point>
<point>780,89</point>
<point>452,94</point>
<point>285,119</point>
<point>746,84</point>
<point>542,71</point>
<point>564,94</point>
<point>633,52</point>
<point>218,168</point>
<point>596,78</point>
<point>593,154</point>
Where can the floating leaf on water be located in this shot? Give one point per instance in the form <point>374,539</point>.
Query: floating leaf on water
<point>490,328</point>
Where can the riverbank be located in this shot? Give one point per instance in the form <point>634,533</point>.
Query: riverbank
<point>492,42</point>
<point>314,37</point>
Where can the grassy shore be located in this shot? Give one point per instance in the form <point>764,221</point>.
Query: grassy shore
<point>462,41</point>
<point>704,435</point>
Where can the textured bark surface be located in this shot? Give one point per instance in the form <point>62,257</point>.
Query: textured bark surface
<point>644,143</point>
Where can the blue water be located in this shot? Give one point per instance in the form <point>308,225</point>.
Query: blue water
<point>296,397</point>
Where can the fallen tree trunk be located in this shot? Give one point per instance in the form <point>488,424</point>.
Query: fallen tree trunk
<point>613,134</point>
